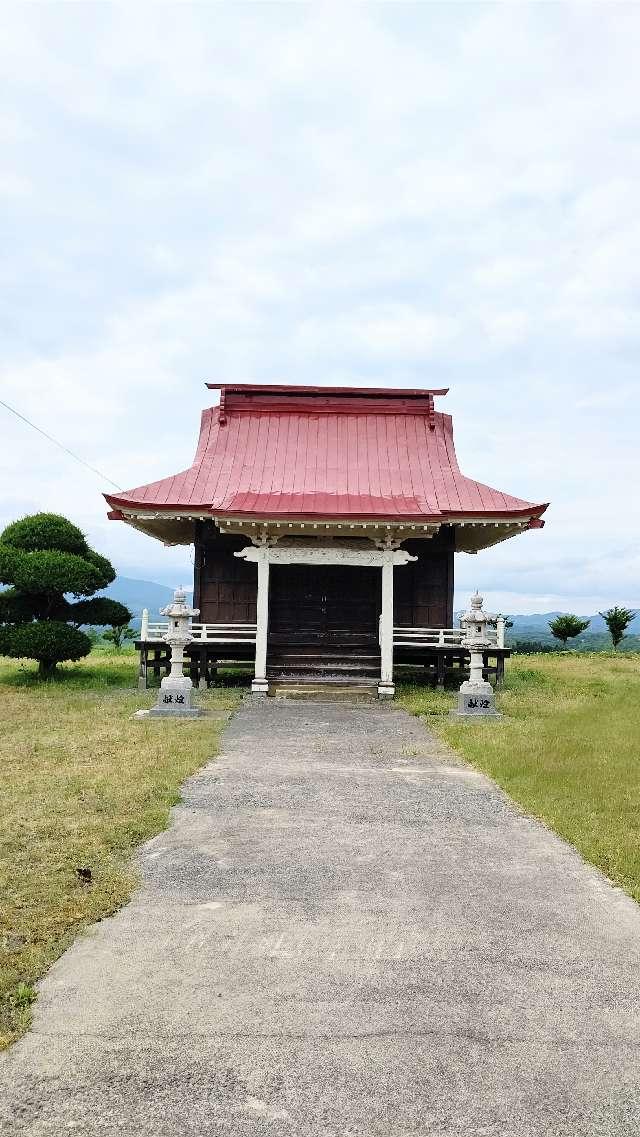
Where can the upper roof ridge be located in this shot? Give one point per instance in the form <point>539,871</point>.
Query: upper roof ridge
<point>307,389</point>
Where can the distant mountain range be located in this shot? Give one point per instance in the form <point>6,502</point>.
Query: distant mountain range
<point>139,594</point>
<point>534,627</point>
<point>539,622</point>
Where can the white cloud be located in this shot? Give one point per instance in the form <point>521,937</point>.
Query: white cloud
<point>394,331</point>
<point>392,194</point>
<point>13,185</point>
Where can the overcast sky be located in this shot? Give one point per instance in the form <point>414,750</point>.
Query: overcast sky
<point>394,194</point>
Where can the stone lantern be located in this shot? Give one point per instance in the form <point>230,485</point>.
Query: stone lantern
<point>476,698</point>
<point>174,696</point>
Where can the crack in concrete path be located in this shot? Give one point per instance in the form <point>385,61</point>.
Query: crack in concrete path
<point>319,952</point>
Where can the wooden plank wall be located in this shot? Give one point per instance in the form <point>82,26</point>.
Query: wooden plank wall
<point>225,586</point>
<point>423,589</point>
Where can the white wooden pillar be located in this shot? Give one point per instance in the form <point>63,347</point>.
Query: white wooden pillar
<point>500,631</point>
<point>260,685</point>
<point>386,688</point>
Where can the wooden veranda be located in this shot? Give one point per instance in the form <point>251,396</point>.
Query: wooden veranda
<point>437,652</point>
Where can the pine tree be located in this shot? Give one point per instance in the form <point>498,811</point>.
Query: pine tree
<point>44,558</point>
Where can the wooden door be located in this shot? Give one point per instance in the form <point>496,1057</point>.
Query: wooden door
<point>324,604</point>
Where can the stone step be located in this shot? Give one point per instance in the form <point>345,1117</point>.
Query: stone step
<point>325,692</point>
<point>325,656</point>
<point>317,674</point>
<point>319,668</point>
<point>357,678</point>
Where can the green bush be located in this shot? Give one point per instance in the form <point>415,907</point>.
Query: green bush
<point>51,571</point>
<point>103,569</point>
<point>101,610</point>
<point>15,607</point>
<point>617,620</point>
<point>45,559</point>
<point>48,641</point>
<point>45,531</point>
<point>8,559</point>
<point>119,635</point>
<point>567,627</point>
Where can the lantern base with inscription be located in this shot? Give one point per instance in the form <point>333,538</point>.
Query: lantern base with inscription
<point>475,700</point>
<point>174,699</point>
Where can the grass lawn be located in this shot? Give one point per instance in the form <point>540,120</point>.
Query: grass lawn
<point>82,786</point>
<point>568,750</point>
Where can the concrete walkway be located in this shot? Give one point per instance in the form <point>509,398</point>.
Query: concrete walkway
<point>345,933</point>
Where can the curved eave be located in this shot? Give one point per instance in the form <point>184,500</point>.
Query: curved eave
<point>477,531</point>
<point>172,528</point>
<point>443,517</point>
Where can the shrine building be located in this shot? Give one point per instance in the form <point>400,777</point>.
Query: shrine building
<point>325,521</point>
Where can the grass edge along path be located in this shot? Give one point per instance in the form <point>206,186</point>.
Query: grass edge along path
<point>567,751</point>
<point>83,785</point>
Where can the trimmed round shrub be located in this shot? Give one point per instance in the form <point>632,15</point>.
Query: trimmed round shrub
<point>47,559</point>
<point>52,571</point>
<point>48,641</point>
<point>9,558</point>
<point>45,531</point>
<point>100,610</point>
<point>104,570</point>
<point>16,608</point>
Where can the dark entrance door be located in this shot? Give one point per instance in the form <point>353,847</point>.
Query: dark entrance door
<point>324,605</point>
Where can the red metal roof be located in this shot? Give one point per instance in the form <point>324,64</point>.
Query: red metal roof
<point>283,452</point>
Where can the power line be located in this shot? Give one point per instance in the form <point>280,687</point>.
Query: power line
<point>60,444</point>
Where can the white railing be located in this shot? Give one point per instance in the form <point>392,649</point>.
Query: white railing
<point>442,637</point>
<point>153,631</point>
<point>427,637</point>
